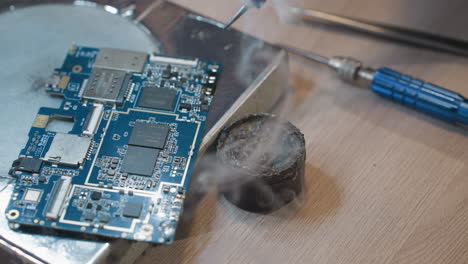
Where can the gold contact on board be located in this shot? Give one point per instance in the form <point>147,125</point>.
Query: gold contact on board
<point>64,82</point>
<point>41,121</point>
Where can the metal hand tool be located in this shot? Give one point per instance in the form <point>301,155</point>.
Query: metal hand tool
<point>398,87</point>
<point>415,37</point>
<point>246,6</point>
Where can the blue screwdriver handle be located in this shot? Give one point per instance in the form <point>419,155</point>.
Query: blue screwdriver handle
<point>426,97</point>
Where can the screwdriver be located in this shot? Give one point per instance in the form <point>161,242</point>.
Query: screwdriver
<point>248,4</point>
<point>417,94</point>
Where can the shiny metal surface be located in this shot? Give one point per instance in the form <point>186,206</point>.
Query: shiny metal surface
<point>35,39</point>
<point>400,34</point>
<point>308,55</point>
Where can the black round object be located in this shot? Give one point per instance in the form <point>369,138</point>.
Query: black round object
<point>263,157</point>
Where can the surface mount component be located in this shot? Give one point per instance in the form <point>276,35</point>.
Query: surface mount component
<point>158,98</point>
<point>105,175</point>
<point>27,165</point>
<point>93,120</point>
<point>57,198</point>
<point>132,209</point>
<point>265,156</point>
<point>68,149</point>
<point>32,195</point>
<point>140,160</point>
<point>107,85</point>
<point>121,60</point>
<point>149,135</point>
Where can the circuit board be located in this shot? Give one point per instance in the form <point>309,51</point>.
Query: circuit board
<point>123,169</point>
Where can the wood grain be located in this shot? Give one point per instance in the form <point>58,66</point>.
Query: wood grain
<point>384,184</point>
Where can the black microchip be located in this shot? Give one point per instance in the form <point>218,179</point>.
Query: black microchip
<point>185,106</point>
<point>28,165</point>
<point>140,160</point>
<point>149,135</point>
<point>89,206</point>
<point>42,179</point>
<point>132,209</point>
<point>96,195</point>
<point>166,74</point>
<point>158,98</point>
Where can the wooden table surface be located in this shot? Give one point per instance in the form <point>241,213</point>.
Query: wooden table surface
<point>383,184</point>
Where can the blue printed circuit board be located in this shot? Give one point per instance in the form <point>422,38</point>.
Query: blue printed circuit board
<point>123,169</point>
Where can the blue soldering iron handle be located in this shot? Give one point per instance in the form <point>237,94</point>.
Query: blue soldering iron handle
<point>426,97</point>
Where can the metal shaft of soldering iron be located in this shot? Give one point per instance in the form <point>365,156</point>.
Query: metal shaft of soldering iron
<point>406,90</point>
<point>244,8</point>
<point>396,33</point>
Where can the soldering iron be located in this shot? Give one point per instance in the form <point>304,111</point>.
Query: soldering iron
<point>426,97</point>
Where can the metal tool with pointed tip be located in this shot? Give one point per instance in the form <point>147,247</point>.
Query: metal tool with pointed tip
<point>396,33</point>
<point>248,4</point>
<point>425,97</point>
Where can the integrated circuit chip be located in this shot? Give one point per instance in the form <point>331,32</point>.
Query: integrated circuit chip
<point>149,135</point>
<point>96,195</point>
<point>140,160</point>
<point>158,98</point>
<point>107,85</point>
<point>132,209</point>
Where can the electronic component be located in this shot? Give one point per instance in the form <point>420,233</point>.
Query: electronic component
<point>57,198</point>
<point>42,179</point>
<point>185,106</point>
<point>104,218</point>
<point>68,149</point>
<point>132,209</point>
<point>32,195</point>
<point>96,195</point>
<point>140,160</point>
<point>53,81</point>
<point>129,142</point>
<point>169,60</point>
<point>149,135</point>
<point>158,98</point>
<point>107,85</point>
<point>121,60</point>
<point>272,167</point>
<point>93,120</point>
<point>89,216</point>
<point>27,164</point>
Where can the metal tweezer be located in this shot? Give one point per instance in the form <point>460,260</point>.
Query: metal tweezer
<point>396,33</point>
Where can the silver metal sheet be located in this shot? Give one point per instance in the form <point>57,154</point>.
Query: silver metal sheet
<point>68,149</point>
<point>106,85</point>
<point>121,60</point>
<point>38,42</point>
